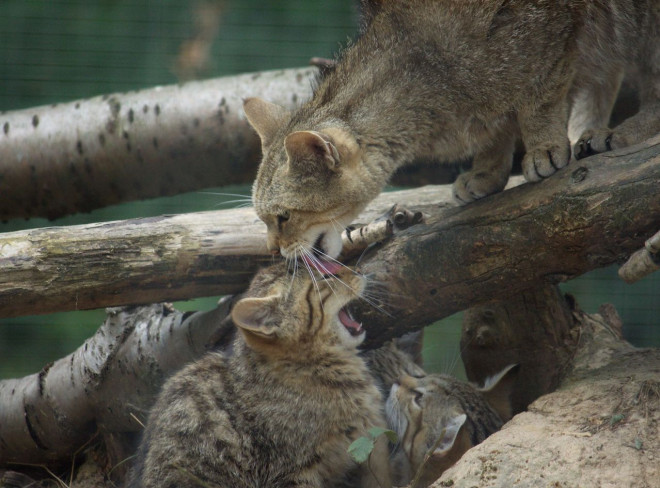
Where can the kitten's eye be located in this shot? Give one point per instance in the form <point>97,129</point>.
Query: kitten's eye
<point>283,217</point>
<point>418,397</point>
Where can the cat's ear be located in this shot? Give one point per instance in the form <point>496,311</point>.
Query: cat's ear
<point>254,316</point>
<point>308,145</point>
<point>497,390</point>
<point>265,117</point>
<point>449,433</point>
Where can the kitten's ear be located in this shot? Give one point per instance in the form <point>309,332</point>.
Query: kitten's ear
<point>449,434</point>
<point>497,390</point>
<point>308,145</point>
<point>254,316</point>
<point>265,117</point>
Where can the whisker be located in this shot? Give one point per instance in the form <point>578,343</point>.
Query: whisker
<point>364,297</point>
<point>363,253</point>
<point>242,195</point>
<point>311,275</point>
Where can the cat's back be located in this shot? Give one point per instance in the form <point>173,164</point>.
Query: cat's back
<point>191,427</point>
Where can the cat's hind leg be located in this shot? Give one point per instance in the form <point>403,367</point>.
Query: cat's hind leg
<point>376,470</point>
<point>646,122</point>
<point>592,99</point>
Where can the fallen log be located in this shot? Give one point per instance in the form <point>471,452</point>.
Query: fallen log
<point>591,214</point>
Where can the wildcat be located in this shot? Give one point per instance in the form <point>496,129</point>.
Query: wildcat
<point>450,79</point>
<point>441,417</point>
<point>281,410</point>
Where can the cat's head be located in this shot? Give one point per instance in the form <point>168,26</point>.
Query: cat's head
<point>286,309</point>
<point>427,421</point>
<point>428,414</point>
<point>310,184</point>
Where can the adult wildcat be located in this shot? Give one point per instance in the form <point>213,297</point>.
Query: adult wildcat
<point>282,410</point>
<point>450,79</point>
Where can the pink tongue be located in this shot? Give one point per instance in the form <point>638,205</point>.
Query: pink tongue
<point>322,266</point>
<point>348,322</point>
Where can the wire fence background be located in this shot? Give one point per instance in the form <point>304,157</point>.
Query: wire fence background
<point>55,51</point>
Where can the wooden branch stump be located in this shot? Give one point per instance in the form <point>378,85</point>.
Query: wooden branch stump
<point>535,329</point>
<point>599,429</point>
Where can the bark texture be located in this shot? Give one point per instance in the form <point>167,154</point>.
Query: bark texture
<point>591,214</point>
<point>172,257</point>
<point>534,234</point>
<point>107,385</point>
<point>598,430</point>
<point>75,157</point>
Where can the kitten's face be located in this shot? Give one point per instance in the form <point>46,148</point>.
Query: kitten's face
<point>310,184</point>
<point>285,310</point>
<point>428,421</point>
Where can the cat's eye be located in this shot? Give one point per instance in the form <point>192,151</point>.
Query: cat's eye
<point>283,217</point>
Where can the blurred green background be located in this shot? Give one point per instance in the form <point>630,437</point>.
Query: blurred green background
<point>61,50</point>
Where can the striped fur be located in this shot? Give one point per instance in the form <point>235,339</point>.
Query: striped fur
<point>282,410</point>
<point>441,417</point>
<point>449,80</point>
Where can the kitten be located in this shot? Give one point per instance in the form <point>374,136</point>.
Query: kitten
<point>282,410</point>
<point>450,79</point>
<point>390,362</point>
<point>441,417</point>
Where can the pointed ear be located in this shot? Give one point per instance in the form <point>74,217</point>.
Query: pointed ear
<point>265,117</point>
<point>254,316</point>
<point>449,434</point>
<point>308,145</point>
<point>497,390</point>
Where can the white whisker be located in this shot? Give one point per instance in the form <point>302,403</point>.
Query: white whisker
<point>242,195</point>
<point>373,303</point>
<point>311,275</point>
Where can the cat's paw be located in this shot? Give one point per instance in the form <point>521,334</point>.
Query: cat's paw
<point>542,161</point>
<point>473,185</point>
<point>597,141</point>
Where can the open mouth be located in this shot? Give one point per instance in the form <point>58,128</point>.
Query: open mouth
<point>352,326</point>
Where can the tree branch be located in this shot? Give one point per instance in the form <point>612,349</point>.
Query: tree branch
<point>108,383</point>
<point>591,214</point>
<point>74,157</point>
<point>173,257</point>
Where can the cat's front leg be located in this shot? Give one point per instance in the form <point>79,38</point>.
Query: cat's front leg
<point>543,126</point>
<point>490,170</point>
<point>376,470</point>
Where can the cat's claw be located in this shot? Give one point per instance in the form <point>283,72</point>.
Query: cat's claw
<point>597,141</point>
<point>543,161</point>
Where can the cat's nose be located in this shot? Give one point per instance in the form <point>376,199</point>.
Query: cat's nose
<point>273,247</point>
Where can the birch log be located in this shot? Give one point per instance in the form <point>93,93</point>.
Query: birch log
<point>74,157</point>
<point>591,214</point>
<point>173,257</point>
<point>108,384</point>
